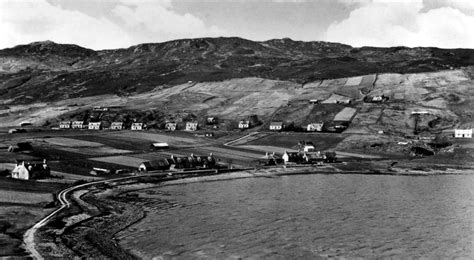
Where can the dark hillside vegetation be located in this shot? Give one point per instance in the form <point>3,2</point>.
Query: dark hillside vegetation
<point>46,71</point>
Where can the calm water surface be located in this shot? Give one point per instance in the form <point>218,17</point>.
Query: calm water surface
<point>309,216</point>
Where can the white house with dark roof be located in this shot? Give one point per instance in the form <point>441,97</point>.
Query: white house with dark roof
<point>65,124</point>
<point>95,125</point>
<point>116,126</point>
<point>315,127</point>
<point>170,126</point>
<point>191,126</point>
<point>463,133</point>
<point>137,126</point>
<point>244,124</point>
<point>276,126</point>
<point>77,125</point>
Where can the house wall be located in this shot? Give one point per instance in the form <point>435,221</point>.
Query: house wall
<point>463,133</point>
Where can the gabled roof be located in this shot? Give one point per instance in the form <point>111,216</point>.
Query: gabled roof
<point>276,123</point>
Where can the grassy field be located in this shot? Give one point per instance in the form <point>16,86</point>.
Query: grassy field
<point>22,203</point>
<point>290,140</point>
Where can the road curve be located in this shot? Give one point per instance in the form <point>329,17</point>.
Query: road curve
<point>29,236</point>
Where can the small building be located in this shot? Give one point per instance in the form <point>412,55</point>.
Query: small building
<point>244,124</point>
<point>309,147</point>
<point>137,126</point>
<point>31,170</point>
<point>463,133</point>
<point>193,162</point>
<point>160,145</point>
<point>420,113</point>
<point>376,99</point>
<point>313,157</point>
<point>12,131</point>
<point>65,125</point>
<point>291,157</point>
<point>269,159</point>
<point>95,125</point>
<point>315,127</point>
<point>314,101</point>
<point>191,126</point>
<point>170,126</point>
<point>154,165</point>
<point>211,120</point>
<point>77,125</point>
<point>209,134</point>
<point>116,126</point>
<point>276,126</point>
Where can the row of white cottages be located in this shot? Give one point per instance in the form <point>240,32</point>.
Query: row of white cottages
<point>190,126</point>
<point>171,126</point>
<point>279,125</point>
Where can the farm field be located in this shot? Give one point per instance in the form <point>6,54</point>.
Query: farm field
<point>346,114</point>
<point>21,204</point>
<point>290,140</point>
<point>121,160</point>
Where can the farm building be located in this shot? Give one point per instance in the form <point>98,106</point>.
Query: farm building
<point>170,126</point>
<point>77,125</point>
<point>318,127</point>
<point>312,157</point>
<point>292,157</point>
<point>211,120</point>
<point>336,126</point>
<point>276,126</point>
<point>463,133</point>
<point>376,99</point>
<point>269,159</point>
<point>420,113</point>
<point>337,99</point>
<point>330,157</point>
<point>193,161</point>
<point>191,126</point>
<point>209,134</point>
<point>31,170</point>
<point>159,164</point>
<point>99,171</point>
<point>65,124</point>
<point>137,126</point>
<point>160,145</point>
<point>314,101</point>
<point>244,124</point>
<point>95,125</point>
<point>116,126</point>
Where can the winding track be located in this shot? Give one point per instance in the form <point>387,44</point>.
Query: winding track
<point>29,237</point>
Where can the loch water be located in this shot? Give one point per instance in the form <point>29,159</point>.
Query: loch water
<point>310,216</point>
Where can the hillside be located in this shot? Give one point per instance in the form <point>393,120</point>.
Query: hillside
<point>234,79</point>
<point>46,71</point>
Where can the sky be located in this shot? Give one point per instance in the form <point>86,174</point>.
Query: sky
<point>109,24</point>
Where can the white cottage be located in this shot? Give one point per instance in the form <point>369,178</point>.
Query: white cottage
<point>191,126</point>
<point>276,126</point>
<point>318,127</point>
<point>137,126</point>
<point>244,124</point>
<point>95,125</point>
<point>77,124</point>
<point>65,124</point>
<point>116,126</point>
<point>463,133</point>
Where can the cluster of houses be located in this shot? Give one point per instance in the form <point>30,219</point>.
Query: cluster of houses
<point>31,170</point>
<point>306,154</point>
<point>99,125</point>
<point>191,162</point>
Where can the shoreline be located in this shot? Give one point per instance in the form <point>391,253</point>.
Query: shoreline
<point>140,183</point>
